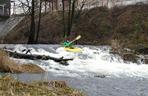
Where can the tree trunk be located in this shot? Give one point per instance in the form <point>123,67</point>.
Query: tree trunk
<point>64,25</point>
<point>69,18</point>
<point>37,57</point>
<point>9,9</point>
<point>39,22</point>
<point>45,6</point>
<point>52,5</point>
<point>31,39</point>
<point>72,14</point>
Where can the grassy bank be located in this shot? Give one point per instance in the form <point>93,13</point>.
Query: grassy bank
<point>11,66</point>
<point>11,87</point>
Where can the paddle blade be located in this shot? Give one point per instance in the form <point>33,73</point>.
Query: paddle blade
<point>78,37</point>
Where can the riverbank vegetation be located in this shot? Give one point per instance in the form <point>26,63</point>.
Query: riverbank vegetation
<point>10,65</point>
<point>12,87</point>
<point>98,26</point>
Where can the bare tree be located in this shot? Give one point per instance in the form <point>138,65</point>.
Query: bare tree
<point>73,5</point>
<point>69,18</point>
<point>73,10</point>
<point>31,38</point>
<point>71,13</point>
<point>34,9</point>
<point>80,6</point>
<point>63,13</point>
<point>25,6</point>
<point>39,21</point>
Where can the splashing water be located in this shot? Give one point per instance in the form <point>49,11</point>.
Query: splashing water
<point>92,59</point>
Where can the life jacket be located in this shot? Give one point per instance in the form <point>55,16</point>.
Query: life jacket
<point>67,44</point>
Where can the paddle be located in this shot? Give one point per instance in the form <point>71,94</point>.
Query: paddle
<point>77,38</point>
<point>68,44</point>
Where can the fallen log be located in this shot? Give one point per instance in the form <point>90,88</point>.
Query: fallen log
<point>37,57</point>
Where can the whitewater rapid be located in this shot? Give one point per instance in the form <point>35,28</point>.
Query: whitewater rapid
<point>92,60</point>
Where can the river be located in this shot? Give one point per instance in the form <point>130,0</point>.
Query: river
<point>94,70</point>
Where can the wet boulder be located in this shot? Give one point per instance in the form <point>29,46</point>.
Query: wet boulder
<point>115,45</point>
<point>130,57</point>
<point>146,59</point>
<point>142,50</point>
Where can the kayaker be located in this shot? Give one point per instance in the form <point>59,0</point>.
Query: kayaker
<point>68,43</point>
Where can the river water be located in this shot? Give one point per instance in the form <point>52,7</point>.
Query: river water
<point>94,70</point>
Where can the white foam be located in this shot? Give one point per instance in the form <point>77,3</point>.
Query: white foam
<point>91,60</point>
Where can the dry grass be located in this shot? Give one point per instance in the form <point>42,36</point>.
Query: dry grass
<point>11,87</point>
<point>8,65</point>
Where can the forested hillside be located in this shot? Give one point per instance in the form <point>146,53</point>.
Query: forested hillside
<point>100,25</point>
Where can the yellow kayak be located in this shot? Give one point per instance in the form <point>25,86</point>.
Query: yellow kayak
<point>73,49</point>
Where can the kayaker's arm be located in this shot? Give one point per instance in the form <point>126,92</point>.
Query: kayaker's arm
<point>68,44</point>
